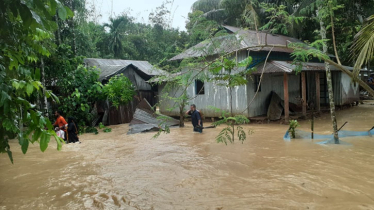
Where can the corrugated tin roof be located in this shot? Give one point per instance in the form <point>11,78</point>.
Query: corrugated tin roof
<point>110,67</point>
<point>241,39</point>
<point>145,119</point>
<point>108,71</point>
<point>288,67</point>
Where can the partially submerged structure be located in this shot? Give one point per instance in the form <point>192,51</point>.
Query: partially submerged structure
<point>294,89</point>
<point>139,72</point>
<point>145,119</point>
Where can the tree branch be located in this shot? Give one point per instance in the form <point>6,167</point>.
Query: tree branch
<point>259,84</point>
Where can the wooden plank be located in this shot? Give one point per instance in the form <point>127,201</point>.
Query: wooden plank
<point>303,90</point>
<point>286,98</point>
<point>318,92</point>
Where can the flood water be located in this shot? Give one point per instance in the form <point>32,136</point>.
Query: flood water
<point>185,170</point>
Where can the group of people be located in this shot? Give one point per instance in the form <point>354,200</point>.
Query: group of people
<point>66,130</point>
<point>69,130</point>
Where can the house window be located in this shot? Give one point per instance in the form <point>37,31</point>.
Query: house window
<point>199,87</point>
<point>256,83</point>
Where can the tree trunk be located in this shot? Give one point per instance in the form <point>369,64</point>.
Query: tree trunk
<point>73,28</point>
<point>333,36</point>
<point>45,101</point>
<point>231,114</point>
<point>329,82</point>
<point>181,110</point>
<point>233,132</point>
<point>181,116</point>
<point>58,31</point>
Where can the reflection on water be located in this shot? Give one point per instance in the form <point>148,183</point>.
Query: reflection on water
<point>185,170</point>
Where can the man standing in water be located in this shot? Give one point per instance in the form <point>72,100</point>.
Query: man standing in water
<point>196,119</point>
<point>60,122</point>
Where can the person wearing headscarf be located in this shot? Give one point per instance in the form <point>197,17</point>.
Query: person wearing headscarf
<point>72,131</point>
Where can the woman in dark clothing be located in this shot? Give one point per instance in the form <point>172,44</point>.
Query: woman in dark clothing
<point>72,131</point>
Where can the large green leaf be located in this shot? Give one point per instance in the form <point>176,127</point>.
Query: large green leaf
<point>37,74</point>
<point>10,155</point>
<point>36,135</point>
<point>44,140</point>
<point>25,15</point>
<point>69,12</point>
<point>29,89</point>
<point>53,7</point>
<point>4,97</point>
<point>61,11</point>
<point>25,145</point>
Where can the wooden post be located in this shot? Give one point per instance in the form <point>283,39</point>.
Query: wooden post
<point>318,93</point>
<point>303,89</point>
<point>286,98</point>
<point>312,124</point>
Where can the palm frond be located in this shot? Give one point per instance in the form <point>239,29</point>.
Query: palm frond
<point>251,16</point>
<point>363,46</point>
<point>304,5</point>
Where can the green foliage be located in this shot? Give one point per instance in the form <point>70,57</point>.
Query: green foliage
<point>229,72</point>
<point>304,53</point>
<point>107,130</point>
<point>200,28</point>
<point>292,129</point>
<point>228,133</point>
<point>280,21</point>
<point>91,130</point>
<point>163,126</point>
<point>117,28</point>
<point>79,91</point>
<point>25,27</point>
<point>119,90</point>
<point>363,46</point>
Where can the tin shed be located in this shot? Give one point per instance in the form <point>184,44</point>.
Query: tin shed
<point>139,72</point>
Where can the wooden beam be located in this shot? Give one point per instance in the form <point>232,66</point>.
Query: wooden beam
<point>303,91</point>
<point>318,93</point>
<point>286,98</point>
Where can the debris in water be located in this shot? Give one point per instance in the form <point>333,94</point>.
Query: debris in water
<point>145,119</point>
<point>329,138</point>
<point>275,108</point>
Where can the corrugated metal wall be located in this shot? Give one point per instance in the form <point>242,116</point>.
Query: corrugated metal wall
<point>138,81</point>
<point>124,114</point>
<point>271,82</point>
<point>349,90</point>
<point>215,96</point>
<point>219,97</point>
<point>345,91</point>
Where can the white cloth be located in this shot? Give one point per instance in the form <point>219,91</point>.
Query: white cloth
<point>60,133</point>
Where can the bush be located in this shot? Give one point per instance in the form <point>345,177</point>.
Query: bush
<point>119,90</point>
<point>293,125</point>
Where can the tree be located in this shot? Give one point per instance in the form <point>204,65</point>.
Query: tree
<point>322,12</point>
<point>363,46</point>
<point>117,28</point>
<point>119,90</point>
<point>79,90</point>
<point>27,23</point>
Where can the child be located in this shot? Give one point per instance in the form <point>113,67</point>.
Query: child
<point>60,133</point>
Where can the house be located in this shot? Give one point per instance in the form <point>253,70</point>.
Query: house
<point>278,77</point>
<point>139,72</point>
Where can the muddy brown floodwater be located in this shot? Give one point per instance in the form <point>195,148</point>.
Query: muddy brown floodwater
<point>185,170</point>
